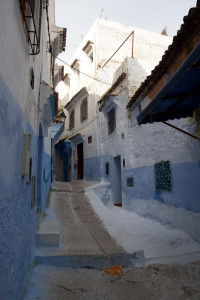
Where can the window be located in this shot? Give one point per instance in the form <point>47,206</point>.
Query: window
<point>130,182</point>
<point>90,139</point>
<point>84,110</point>
<point>31,12</point>
<point>107,168</point>
<point>88,49</point>
<point>111,120</point>
<point>163,178</point>
<point>71,120</point>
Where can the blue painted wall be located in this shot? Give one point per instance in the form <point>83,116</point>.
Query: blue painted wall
<point>185,184</point>
<point>45,179</point>
<point>91,169</point>
<point>18,222</point>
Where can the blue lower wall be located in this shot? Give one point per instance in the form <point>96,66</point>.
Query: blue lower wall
<point>185,184</point>
<point>91,169</point>
<point>46,180</point>
<point>18,222</point>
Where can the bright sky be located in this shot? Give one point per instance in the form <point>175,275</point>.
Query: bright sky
<point>78,16</point>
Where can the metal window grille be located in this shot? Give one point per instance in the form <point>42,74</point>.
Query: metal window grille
<point>71,120</point>
<point>111,120</point>
<point>32,12</point>
<point>84,110</point>
<point>45,3</point>
<point>163,176</point>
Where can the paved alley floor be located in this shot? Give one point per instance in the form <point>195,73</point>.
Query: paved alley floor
<point>81,231</point>
<point>155,282</point>
<point>75,269</point>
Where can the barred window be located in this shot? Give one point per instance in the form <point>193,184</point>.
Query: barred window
<point>32,12</point>
<point>163,176</point>
<point>71,120</point>
<point>84,110</point>
<point>111,120</point>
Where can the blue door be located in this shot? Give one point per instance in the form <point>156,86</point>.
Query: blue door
<point>66,167</point>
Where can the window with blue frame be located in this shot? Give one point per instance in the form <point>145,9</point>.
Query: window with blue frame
<point>163,176</point>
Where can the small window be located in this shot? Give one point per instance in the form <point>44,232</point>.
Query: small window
<point>90,139</point>
<point>163,177</point>
<point>84,110</point>
<point>107,168</point>
<point>71,120</point>
<point>130,182</point>
<point>88,49</point>
<point>111,120</point>
<point>32,78</point>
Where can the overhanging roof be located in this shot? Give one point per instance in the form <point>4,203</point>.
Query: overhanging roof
<point>179,97</point>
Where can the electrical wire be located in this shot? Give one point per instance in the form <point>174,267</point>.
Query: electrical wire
<point>79,71</point>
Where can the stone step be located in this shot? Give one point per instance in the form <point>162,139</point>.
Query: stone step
<point>48,235</point>
<point>92,261</point>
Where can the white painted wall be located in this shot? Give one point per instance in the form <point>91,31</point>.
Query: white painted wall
<point>143,146</point>
<point>107,36</point>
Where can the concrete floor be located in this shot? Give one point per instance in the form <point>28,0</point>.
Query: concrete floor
<point>75,269</point>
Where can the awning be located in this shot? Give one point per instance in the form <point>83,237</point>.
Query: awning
<point>78,137</point>
<point>179,97</point>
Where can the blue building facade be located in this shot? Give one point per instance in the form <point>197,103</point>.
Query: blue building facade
<point>26,86</point>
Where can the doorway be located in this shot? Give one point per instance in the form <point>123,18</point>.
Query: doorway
<point>80,161</point>
<point>39,168</point>
<point>117,180</point>
<point>66,167</point>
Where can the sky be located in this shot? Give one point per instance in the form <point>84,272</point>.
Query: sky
<point>79,15</point>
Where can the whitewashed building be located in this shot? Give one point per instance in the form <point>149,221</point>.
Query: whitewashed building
<point>90,76</point>
<point>150,149</point>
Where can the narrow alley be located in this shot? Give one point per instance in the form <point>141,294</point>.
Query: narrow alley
<point>74,269</point>
<point>100,150</point>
